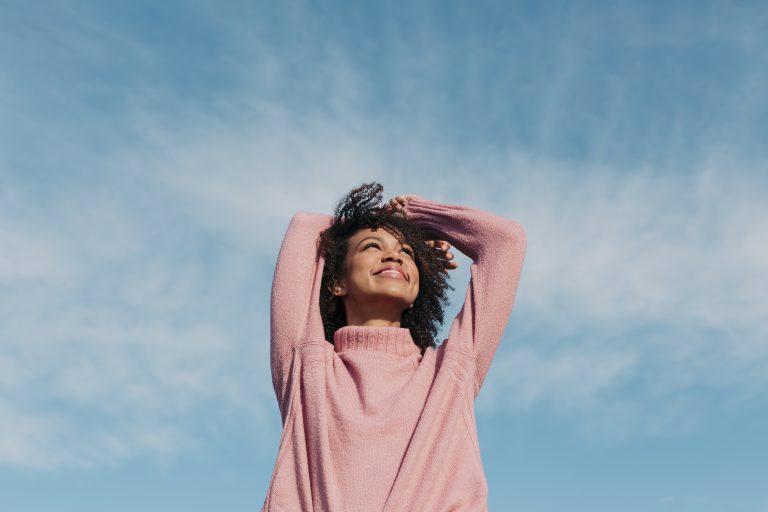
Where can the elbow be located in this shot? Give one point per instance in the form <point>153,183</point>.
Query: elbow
<point>301,219</point>
<point>502,240</point>
<point>514,235</point>
<point>310,221</point>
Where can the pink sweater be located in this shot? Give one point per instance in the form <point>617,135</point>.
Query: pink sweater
<point>369,424</point>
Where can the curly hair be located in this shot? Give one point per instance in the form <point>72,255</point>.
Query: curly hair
<point>362,208</point>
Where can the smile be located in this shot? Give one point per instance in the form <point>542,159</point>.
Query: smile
<point>391,273</point>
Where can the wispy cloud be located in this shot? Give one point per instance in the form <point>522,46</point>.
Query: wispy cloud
<point>639,288</point>
<point>136,311</point>
<point>115,327</point>
<point>638,280</point>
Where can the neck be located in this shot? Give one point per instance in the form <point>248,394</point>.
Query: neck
<point>374,322</point>
<point>375,316</point>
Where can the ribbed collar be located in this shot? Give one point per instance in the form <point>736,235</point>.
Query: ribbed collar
<point>391,340</point>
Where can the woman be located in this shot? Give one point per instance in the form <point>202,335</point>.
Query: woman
<point>376,415</point>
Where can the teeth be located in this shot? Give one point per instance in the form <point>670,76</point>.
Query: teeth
<point>393,273</point>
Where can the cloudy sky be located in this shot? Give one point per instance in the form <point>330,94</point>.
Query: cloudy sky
<point>153,153</point>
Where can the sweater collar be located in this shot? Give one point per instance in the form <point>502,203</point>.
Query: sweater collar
<point>391,340</point>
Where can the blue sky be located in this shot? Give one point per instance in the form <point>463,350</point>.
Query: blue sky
<point>152,154</point>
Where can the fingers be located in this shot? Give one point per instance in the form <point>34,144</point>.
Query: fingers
<point>441,244</point>
<point>397,204</point>
<point>446,256</point>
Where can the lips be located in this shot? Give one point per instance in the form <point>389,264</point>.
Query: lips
<point>391,270</point>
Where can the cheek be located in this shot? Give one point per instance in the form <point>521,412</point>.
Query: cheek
<point>356,270</point>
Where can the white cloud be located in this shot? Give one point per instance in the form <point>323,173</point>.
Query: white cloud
<point>572,379</point>
<point>138,303</point>
<point>25,438</point>
<point>116,340</point>
<point>633,277</point>
<point>638,290</point>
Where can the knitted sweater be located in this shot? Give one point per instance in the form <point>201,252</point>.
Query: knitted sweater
<point>369,424</point>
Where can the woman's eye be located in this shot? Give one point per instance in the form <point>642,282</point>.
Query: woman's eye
<point>406,250</point>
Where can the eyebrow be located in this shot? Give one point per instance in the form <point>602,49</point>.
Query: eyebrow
<point>380,240</point>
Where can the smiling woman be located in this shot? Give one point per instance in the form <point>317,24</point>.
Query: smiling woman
<point>376,415</point>
<point>367,237</point>
<point>381,279</point>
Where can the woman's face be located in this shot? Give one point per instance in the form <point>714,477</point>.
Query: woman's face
<point>379,270</point>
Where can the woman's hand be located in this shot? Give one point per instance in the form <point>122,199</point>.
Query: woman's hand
<point>444,254</point>
<point>397,204</point>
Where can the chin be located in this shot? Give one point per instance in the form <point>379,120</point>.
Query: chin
<point>395,297</point>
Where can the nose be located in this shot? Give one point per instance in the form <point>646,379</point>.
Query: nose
<point>393,257</point>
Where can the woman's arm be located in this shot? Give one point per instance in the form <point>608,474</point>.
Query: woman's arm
<point>496,247</point>
<point>292,293</point>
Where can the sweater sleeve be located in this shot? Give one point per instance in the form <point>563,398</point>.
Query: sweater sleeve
<point>496,247</point>
<point>293,315</point>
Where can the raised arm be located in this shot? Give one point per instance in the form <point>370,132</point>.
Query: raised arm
<point>496,247</point>
<point>292,293</point>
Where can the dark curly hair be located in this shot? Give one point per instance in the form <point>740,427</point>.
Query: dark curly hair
<point>362,208</point>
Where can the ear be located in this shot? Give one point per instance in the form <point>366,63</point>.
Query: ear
<point>338,288</point>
